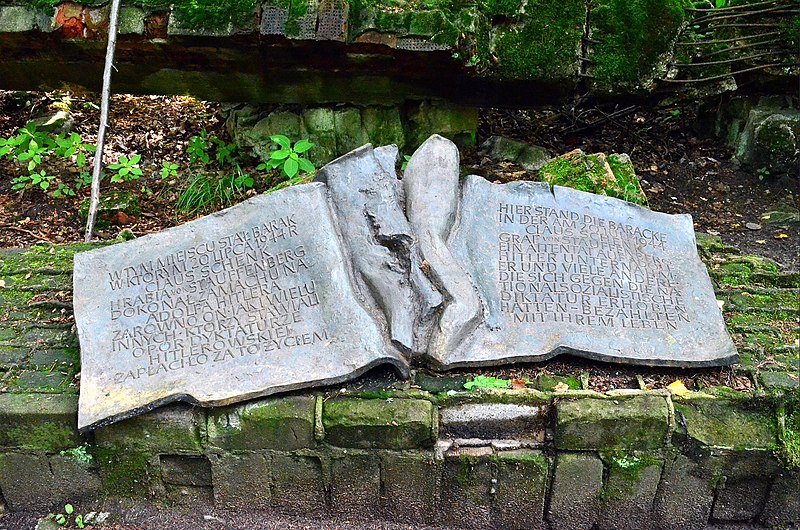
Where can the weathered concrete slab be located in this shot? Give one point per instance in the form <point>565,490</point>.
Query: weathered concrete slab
<point>243,303</point>
<point>567,271</point>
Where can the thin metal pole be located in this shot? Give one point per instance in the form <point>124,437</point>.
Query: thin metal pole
<point>101,133</point>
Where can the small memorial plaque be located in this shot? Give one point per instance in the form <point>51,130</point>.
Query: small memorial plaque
<point>255,299</point>
<point>566,271</point>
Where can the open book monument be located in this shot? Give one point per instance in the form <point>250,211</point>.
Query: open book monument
<point>316,284</point>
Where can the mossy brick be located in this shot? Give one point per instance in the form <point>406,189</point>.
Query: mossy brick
<point>782,509</point>
<point>685,495</point>
<point>383,126</point>
<point>458,123</point>
<point>128,473</point>
<point>241,480</point>
<point>378,423</point>
<point>744,485</point>
<point>13,356</point>
<point>355,484</point>
<point>274,423</point>
<point>626,499</point>
<point>641,422</point>
<point>183,470</point>
<point>321,127</point>
<point>27,482</point>
<point>14,19</point>
<point>75,480</point>
<point>298,486</point>
<point>172,429</point>
<point>47,382</point>
<point>347,125</point>
<point>411,486</point>
<point>574,495</point>
<point>50,336</point>
<point>285,123</point>
<point>39,422</point>
<point>721,423</point>
<point>131,21</point>
<point>467,488</point>
<point>521,489</point>
<point>774,380</point>
<point>55,356</point>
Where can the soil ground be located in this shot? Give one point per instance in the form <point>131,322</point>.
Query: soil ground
<point>682,171</point>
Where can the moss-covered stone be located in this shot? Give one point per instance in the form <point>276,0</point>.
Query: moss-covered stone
<point>457,123</point>
<point>522,480</point>
<point>127,473</point>
<point>321,127</point>
<point>110,204</point>
<point>173,429</point>
<point>636,423</point>
<point>544,44</point>
<point>613,175</point>
<point>383,126</point>
<point>467,486</point>
<point>632,39</point>
<point>719,423</point>
<point>374,423</point>
<point>411,484</point>
<point>39,422</point>
<point>574,496</point>
<point>281,423</point>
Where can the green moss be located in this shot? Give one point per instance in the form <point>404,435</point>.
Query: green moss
<point>624,472</point>
<point>529,457</point>
<point>632,34</point>
<point>544,45</point>
<point>788,449</point>
<point>720,423</point>
<point>548,383</point>
<point>49,437</point>
<point>466,469</point>
<point>611,176</point>
<point>124,474</point>
<point>210,14</point>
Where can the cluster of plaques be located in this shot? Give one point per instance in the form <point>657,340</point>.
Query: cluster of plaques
<point>315,284</point>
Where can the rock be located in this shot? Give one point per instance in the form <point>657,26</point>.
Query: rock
<point>58,122</point>
<point>611,175</point>
<point>16,19</point>
<point>530,157</point>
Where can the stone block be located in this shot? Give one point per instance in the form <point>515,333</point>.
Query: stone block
<point>577,482</point>
<point>468,488</point>
<point>16,19</point>
<point>495,421</point>
<point>285,423</point>
<point>196,497</point>
<point>521,489</point>
<point>75,479</point>
<point>321,127</point>
<point>45,422</point>
<point>383,126</point>
<point>783,504</point>
<point>626,500</point>
<point>297,484</point>
<point>241,481</point>
<point>355,484</point>
<point>378,423</point>
<point>185,470</point>
<point>129,473</point>
<point>638,423</point>
<point>27,482</point>
<point>288,124</point>
<point>172,429</point>
<point>455,122</point>
<point>347,126</point>
<point>743,488</point>
<point>131,21</point>
<point>719,423</point>
<point>411,485</point>
<point>685,496</point>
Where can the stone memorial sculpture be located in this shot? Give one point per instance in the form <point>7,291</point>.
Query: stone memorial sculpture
<point>317,283</point>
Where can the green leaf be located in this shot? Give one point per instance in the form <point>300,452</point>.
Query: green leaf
<point>282,141</point>
<point>481,381</point>
<point>293,156</point>
<point>280,154</point>
<point>135,159</point>
<point>305,165</point>
<point>80,160</point>
<point>302,146</point>
<point>290,167</point>
<point>60,519</point>
<point>68,509</point>
<point>79,521</point>
<point>123,171</point>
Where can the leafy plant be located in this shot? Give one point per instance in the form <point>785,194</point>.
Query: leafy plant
<point>62,519</point>
<point>762,173</point>
<point>69,146</point>
<point>126,169</point>
<point>481,381</point>
<point>35,179</point>
<point>224,152</point>
<point>288,157</point>
<point>168,170</point>
<point>198,149</point>
<point>406,160</point>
